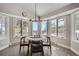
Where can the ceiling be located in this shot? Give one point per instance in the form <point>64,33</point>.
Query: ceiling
<point>28,9</point>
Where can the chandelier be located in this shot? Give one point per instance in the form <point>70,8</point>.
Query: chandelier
<point>35,17</point>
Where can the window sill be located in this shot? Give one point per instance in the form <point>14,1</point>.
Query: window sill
<point>58,37</point>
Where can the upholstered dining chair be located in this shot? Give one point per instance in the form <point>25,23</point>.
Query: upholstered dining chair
<point>48,43</point>
<point>37,46</point>
<point>23,43</point>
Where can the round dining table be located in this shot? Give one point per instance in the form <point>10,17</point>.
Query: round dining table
<point>36,38</point>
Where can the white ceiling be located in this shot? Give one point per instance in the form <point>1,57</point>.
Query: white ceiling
<point>29,8</point>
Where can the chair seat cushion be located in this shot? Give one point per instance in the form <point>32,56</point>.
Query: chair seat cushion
<point>36,50</point>
<point>25,44</point>
<point>37,46</point>
<point>46,44</point>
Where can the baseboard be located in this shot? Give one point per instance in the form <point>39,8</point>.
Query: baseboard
<point>4,47</point>
<point>77,53</point>
<point>63,46</point>
<point>14,43</point>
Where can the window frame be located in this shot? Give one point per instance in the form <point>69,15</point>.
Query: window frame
<point>37,27</point>
<point>3,19</point>
<point>57,18</point>
<point>21,26</point>
<point>15,20</point>
<point>56,26</point>
<point>46,26</point>
<point>64,30</point>
<point>24,29</point>
<point>75,25</point>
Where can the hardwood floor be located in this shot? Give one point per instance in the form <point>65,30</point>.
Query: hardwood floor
<point>56,51</point>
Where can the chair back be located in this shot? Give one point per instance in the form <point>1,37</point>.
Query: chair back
<point>36,45</point>
<point>36,42</point>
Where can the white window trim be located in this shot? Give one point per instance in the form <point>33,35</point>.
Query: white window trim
<point>64,30</point>
<point>73,36</point>
<point>64,17</point>
<point>4,18</point>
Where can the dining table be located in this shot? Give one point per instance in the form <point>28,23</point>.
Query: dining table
<point>32,38</point>
<point>36,38</point>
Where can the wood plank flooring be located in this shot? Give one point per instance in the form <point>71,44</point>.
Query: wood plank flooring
<point>56,51</point>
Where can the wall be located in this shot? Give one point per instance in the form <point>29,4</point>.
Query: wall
<point>61,42</point>
<point>75,46</point>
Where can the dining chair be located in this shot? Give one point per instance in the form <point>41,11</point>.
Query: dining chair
<point>36,46</point>
<point>23,43</point>
<point>48,43</point>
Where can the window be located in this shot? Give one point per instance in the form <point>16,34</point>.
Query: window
<point>35,28</point>
<point>58,26</point>
<point>44,27</point>
<point>17,27</point>
<point>24,27</point>
<point>54,27</point>
<point>77,26</point>
<point>2,26</point>
<point>61,27</point>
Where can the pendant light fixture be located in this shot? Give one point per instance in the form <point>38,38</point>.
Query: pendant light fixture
<point>35,17</point>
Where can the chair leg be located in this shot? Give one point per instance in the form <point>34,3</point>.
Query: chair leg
<point>28,51</point>
<point>31,50</point>
<point>50,50</point>
<point>42,52</point>
<point>23,48</point>
<point>31,53</point>
<point>20,50</point>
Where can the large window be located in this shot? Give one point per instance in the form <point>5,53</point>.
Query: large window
<point>77,26</point>
<point>44,28</point>
<point>21,25</point>
<point>61,27</point>
<point>58,26</point>
<point>2,26</point>
<point>35,28</point>
<point>24,27</point>
<point>54,27</point>
<point>17,27</point>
